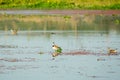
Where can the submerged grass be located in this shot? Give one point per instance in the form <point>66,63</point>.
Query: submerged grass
<point>60,4</point>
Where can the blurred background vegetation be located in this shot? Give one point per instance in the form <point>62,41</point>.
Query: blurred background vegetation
<point>60,22</point>
<point>60,4</point>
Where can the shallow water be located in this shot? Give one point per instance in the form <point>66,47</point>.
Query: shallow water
<point>27,55</point>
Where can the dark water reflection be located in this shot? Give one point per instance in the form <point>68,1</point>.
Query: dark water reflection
<point>61,22</point>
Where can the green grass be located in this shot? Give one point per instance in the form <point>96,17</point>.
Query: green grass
<point>60,4</point>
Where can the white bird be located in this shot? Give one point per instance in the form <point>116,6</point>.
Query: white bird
<point>14,31</point>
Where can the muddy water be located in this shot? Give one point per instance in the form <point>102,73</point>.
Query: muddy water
<point>27,55</point>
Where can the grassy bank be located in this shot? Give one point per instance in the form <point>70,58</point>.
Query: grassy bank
<point>60,4</point>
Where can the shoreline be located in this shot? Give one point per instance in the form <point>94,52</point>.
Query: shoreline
<point>60,12</point>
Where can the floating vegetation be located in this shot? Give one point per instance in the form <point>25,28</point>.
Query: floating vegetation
<point>41,52</point>
<point>117,21</point>
<point>101,59</point>
<point>67,18</point>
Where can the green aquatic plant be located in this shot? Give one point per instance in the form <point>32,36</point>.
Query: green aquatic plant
<point>67,18</point>
<point>117,21</point>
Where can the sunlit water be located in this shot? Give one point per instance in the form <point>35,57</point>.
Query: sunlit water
<point>27,56</point>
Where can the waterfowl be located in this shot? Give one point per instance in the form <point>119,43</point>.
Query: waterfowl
<point>14,31</point>
<point>55,54</point>
<point>112,51</point>
<point>57,49</point>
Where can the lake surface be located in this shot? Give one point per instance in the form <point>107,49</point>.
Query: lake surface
<point>27,55</point>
